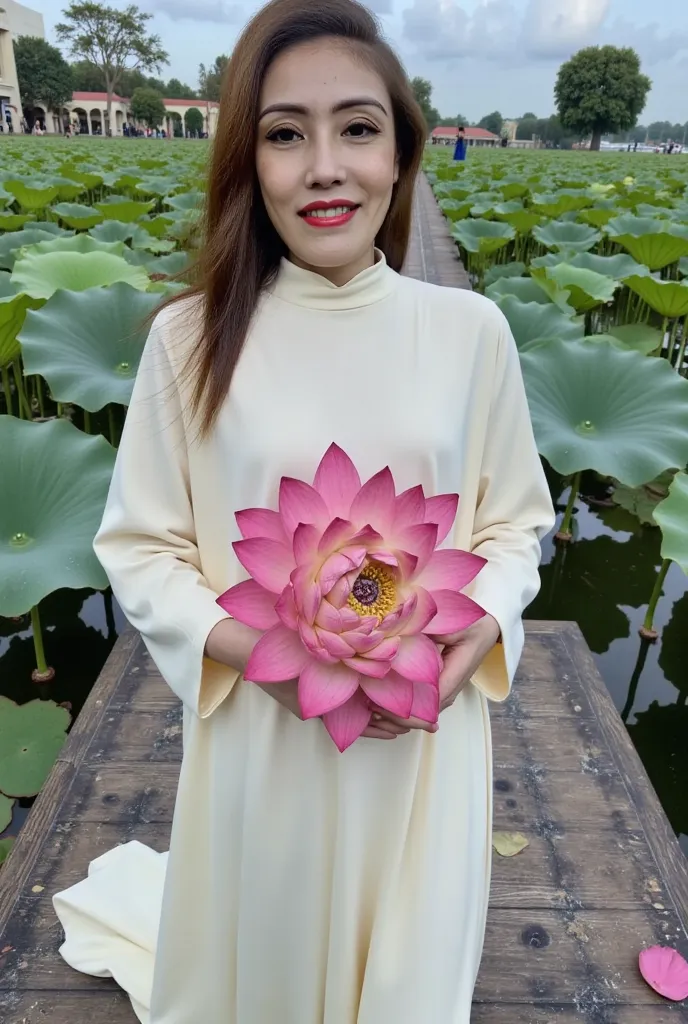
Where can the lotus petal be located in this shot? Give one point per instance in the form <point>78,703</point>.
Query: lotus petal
<point>665,971</point>
<point>450,569</point>
<point>426,702</point>
<point>346,723</point>
<point>409,508</point>
<point>455,612</point>
<point>261,522</point>
<point>418,660</point>
<point>323,688</point>
<point>338,482</point>
<point>441,510</point>
<point>300,503</point>
<point>374,503</point>
<point>267,560</point>
<point>277,657</point>
<point>393,693</point>
<point>285,608</point>
<point>251,604</point>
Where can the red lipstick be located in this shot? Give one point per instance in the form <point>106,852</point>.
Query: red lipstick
<point>331,213</point>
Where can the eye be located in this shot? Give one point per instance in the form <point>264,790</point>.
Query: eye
<point>283,135</point>
<point>361,130</point>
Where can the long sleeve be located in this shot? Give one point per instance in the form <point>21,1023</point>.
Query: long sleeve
<point>514,512</point>
<point>147,539</point>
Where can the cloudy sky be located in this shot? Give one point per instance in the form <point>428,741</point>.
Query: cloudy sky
<point>480,55</point>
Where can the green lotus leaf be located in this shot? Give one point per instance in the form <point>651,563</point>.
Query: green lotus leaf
<point>534,324</point>
<point>554,205</point>
<point>597,407</point>
<point>584,288</point>
<point>500,270</point>
<point>155,186</point>
<point>522,221</point>
<point>648,210</point>
<point>67,191</point>
<point>553,259</point>
<point>668,298</point>
<point>13,307</point>
<point>527,289</point>
<point>5,198</point>
<point>156,226</point>
<point>514,190</point>
<point>88,178</point>
<point>454,210</point>
<point>167,266</point>
<point>112,231</point>
<point>483,236</point>
<point>126,179</point>
<point>50,227</point>
<point>55,482</point>
<point>87,345</point>
<point>13,221</point>
<point>639,337</point>
<point>11,244</point>
<point>683,266</point>
<point>566,235</point>
<point>654,242</point>
<point>597,217</point>
<point>188,202</point>
<point>30,198</point>
<point>618,267</point>
<point>639,501</point>
<point>6,845</point>
<point>74,215</point>
<point>41,275</point>
<point>31,737</point>
<point>6,807</point>
<point>151,164</point>
<point>123,209</point>
<point>484,207</point>
<point>75,243</point>
<point>141,239</point>
<point>454,191</point>
<point>672,517</point>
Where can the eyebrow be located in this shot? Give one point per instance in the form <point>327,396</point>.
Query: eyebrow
<point>297,108</point>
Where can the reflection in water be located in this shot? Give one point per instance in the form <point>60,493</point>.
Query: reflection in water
<point>603,581</point>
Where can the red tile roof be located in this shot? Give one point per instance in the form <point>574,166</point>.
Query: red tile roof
<point>470,133</point>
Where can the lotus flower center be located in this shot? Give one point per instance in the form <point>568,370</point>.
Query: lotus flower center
<point>374,592</point>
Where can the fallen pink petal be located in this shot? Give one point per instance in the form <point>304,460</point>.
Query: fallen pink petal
<point>666,971</point>
<point>347,582</point>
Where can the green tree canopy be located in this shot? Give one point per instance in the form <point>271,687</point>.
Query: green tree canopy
<point>176,90</point>
<point>493,122</point>
<point>527,127</point>
<point>210,78</point>
<point>601,89</point>
<point>147,105</point>
<point>422,90</point>
<point>113,40</point>
<point>44,75</point>
<point>194,120</point>
<point>452,122</point>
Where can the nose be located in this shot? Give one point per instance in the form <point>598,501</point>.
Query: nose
<point>325,167</point>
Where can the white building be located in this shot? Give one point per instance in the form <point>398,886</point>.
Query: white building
<point>88,111</point>
<point>15,20</point>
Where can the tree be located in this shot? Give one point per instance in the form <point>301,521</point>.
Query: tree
<point>422,90</point>
<point>601,89</point>
<point>113,40</point>
<point>527,127</point>
<point>530,116</point>
<point>210,78</point>
<point>659,131</point>
<point>194,120</point>
<point>452,122</point>
<point>147,105</point>
<point>493,122</point>
<point>176,90</point>
<point>44,75</point>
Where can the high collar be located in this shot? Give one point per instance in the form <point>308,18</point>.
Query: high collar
<point>306,288</point>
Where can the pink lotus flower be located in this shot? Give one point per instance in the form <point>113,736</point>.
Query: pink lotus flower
<point>665,971</point>
<point>346,581</point>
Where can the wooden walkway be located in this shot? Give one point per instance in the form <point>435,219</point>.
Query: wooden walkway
<point>602,878</point>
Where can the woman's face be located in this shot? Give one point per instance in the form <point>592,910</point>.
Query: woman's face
<point>326,156</point>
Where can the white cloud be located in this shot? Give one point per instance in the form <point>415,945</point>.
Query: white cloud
<point>646,39</point>
<point>556,28</point>
<point>218,11</point>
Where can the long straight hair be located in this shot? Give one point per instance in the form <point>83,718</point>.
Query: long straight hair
<point>242,250</point>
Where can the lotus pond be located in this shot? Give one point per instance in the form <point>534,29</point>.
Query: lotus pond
<point>586,255</point>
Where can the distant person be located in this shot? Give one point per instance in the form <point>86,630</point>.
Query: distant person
<point>460,148</point>
<point>635,148</point>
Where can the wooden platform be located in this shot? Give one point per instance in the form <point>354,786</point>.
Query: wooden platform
<point>602,878</point>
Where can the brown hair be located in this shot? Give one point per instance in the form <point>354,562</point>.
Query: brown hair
<point>242,250</point>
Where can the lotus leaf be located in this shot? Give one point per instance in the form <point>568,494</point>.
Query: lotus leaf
<point>55,481</point>
<point>75,243</point>
<point>157,226</point>
<point>554,205</point>
<point>527,289</point>
<point>6,845</point>
<point>534,324</point>
<point>6,806</point>
<point>31,737</point>
<point>112,231</point>
<point>522,221</point>
<point>671,515</point>
<point>10,244</point>
<point>88,345</point>
<point>123,209</point>
<point>31,198</point>
<point>13,307</point>
<point>141,239</point>
<point>640,337</point>
<point>566,235</point>
<point>597,407</point>
<point>514,190</point>
<point>188,202</point>
<point>454,210</point>
<point>597,217</point>
<point>668,298</point>
<point>654,242</point>
<point>585,289</point>
<point>88,178</point>
<point>42,275</point>
<point>170,265</point>
<point>484,237</point>
<point>155,186</point>
<point>616,267</point>
<point>639,501</point>
<point>500,270</point>
<point>67,191</point>
<point>13,221</point>
<point>74,215</point>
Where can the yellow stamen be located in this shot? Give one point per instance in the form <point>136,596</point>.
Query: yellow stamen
<point>374,592</point>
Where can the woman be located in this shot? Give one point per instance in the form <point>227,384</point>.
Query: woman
<point>305,886</point>
<point>460,147</point>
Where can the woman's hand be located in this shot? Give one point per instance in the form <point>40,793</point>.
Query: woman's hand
<point>462,655</point>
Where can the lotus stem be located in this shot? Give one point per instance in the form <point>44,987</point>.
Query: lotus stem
<point>111,426</point>
<point>41,399</point>
<point>87,421</point>
<point>43,673</point>
<point>678,365</point>
<point>59,410</point>
<point>647,630</point>
<point>635,679</point>
<point>665,327</point>
<point>565,533</point>
<point>21,393</point>
<point>672,341</point>
<point>7,388</point>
